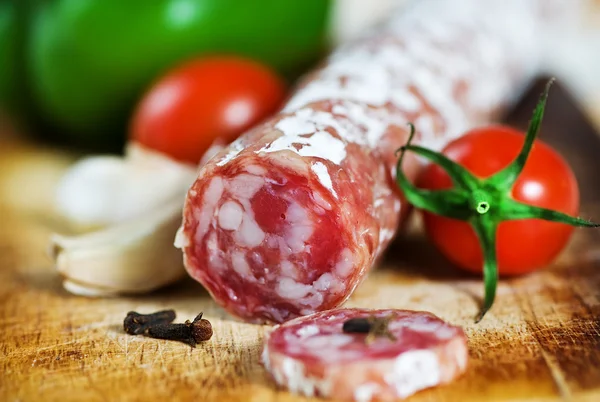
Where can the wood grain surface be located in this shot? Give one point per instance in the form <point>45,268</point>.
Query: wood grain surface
<point>540,342</point>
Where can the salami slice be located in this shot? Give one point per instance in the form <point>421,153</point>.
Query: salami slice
<point>314,356</point>
<point>288,219</point>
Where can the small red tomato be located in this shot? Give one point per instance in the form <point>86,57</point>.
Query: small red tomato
<point>546,181</point>
<point>203,100</point>
<point>496,201</point>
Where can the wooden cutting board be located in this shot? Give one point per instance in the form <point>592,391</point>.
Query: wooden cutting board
<point>540,342</point>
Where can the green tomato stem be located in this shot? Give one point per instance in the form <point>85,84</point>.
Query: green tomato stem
<point>458,174</point>
<point>514,210</point>
<point>482,207</point>
<point>452,203</point>
<point>506,178</point>
<point>485,228</point>
<point>481,201</point>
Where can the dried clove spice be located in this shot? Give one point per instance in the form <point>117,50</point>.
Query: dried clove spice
<point>372,326</point>
<point>358,325</point>
<point>137,324</point>
<point>191,333</point>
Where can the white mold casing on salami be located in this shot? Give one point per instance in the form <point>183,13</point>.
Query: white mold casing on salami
<point>312,355</point>
<point>289,218</point>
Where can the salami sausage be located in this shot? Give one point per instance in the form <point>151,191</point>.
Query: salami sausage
<point>288,219</point>
<point>314,356</point>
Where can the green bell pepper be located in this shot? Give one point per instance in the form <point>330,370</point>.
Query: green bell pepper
<point>91,60</point>
<point>8,27</point>
<point>15,22</point>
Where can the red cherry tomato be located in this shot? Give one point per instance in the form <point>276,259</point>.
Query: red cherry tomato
<point>203,100</point>
<point>546,181</point>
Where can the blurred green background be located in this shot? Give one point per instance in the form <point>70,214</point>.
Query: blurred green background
<point>73,70</point>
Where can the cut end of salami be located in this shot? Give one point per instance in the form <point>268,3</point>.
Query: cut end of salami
<point>313,356</point>
<point>266,237</point>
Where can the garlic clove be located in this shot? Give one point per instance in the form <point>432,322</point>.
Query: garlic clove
<point>134,205</point>
<point>136,256</point>
<point>106,190</point>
